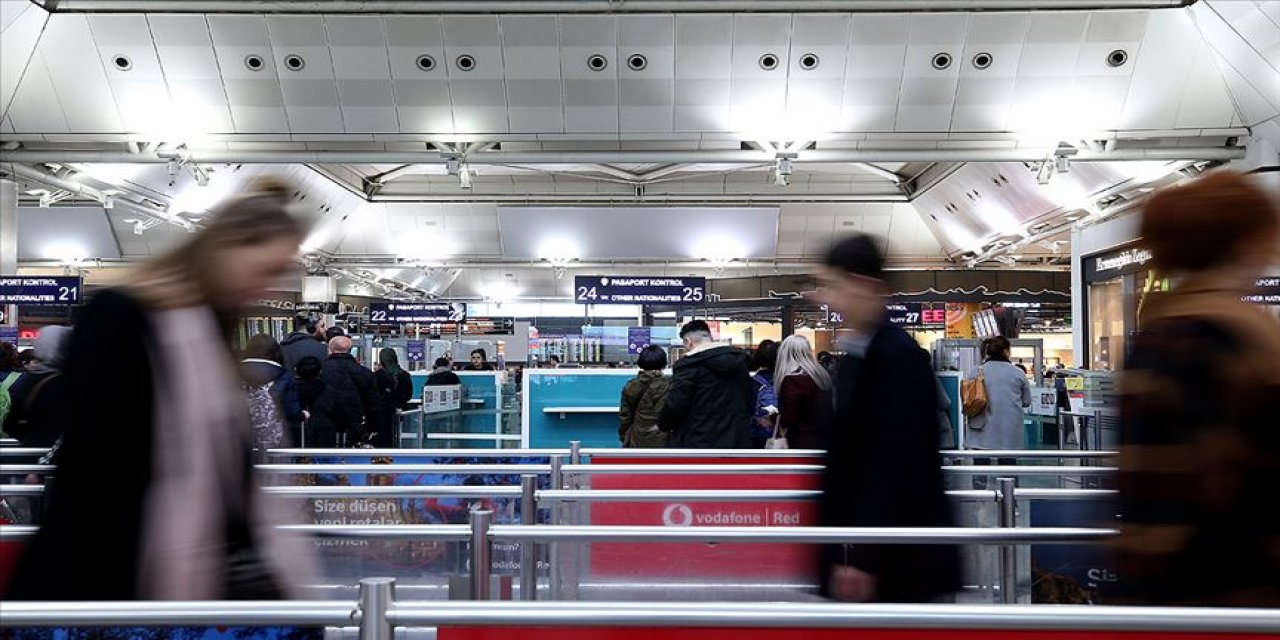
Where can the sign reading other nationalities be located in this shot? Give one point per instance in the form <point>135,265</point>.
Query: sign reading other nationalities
<point>49,290</point>
<point>638,290</point>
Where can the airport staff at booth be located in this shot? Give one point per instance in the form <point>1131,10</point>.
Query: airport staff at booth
<point>711,397</point>
<point>882,459</point>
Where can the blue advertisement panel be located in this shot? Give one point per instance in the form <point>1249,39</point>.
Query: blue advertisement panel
<point>416,350</point>
<point>10,335</point>
<point>637,339</point>
<point>638,290</point>
<point>417,312</point>
<point>50,290</point>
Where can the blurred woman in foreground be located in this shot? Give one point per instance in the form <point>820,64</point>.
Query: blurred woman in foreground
<point>154,497</point>
<point>1200,451</point>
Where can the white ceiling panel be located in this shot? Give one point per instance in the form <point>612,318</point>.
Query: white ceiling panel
<point>71,57</point>
<point>36,106</point>
<point>20,32</point>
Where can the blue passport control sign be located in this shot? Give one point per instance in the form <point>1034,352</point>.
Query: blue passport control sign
<point>638,290</point>
<point>44,290</point>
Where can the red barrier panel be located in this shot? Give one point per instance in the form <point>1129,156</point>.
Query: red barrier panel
<point>760,562</point>
<point>673,633</point>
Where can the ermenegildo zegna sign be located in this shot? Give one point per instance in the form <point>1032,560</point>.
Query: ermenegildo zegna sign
<point>1113,264</point>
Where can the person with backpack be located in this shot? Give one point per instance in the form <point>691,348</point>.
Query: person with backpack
<point>642,400</point>
<point>274,408</point>
<point>766,412</point>
<point>10,371</point>
<point>395,389</point>
<point>37,400</point>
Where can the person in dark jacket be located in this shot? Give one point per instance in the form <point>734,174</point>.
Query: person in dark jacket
<point>317,429</point>
<point>443,374</point>
<point>263,364</point>
<point>882,467</point>
<point>765,416</point>
<point>1199,447</point>
<point>804,395</point>
<point>155,496</point>
<point>395,389</point>
<point>642,401</point>
<point>302,343</point>
<point>352,392</point>
<point>479,361</point>
<point>711,397</point>
<point>38,400</point>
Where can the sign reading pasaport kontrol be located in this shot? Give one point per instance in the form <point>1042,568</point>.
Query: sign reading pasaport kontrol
<point>49,290</point>
<point>417,312</point>
<point>638,290</point>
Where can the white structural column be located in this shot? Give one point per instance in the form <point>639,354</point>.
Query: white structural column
<point>8,227</point>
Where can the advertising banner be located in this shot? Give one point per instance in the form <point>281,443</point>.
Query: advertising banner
<point>959,320</point>
<point>638,290</point>
<point>637,339</point>
<point>416,350</point>
<point>763,562</point>
<point>50,290</point>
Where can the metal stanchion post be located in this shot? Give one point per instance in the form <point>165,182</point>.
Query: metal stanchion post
<point>528,550</point>
<point>557,483</point>
<point>481,553</point>
<point>376,597</point>
<point>1008,553</point>
<point>575,452</point>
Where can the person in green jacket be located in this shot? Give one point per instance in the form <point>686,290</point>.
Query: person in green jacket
<point>642,401</point>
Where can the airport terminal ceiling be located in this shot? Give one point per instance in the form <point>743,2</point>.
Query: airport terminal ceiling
<point>441,153</point>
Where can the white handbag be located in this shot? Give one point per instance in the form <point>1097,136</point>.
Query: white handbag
<point>779,438</point>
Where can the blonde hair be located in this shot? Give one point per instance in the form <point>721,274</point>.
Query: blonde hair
<point>183,276</point>
<point>795,356</point>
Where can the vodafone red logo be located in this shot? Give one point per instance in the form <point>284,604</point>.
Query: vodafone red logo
<point>677,515</point>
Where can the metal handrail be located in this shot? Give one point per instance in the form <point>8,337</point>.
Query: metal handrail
<point>688,469</point>
<point>704,453</point>
<point>443,453</point>
<point>1029,470</point>
<point>689,495</point>
<point>794,535</point>
<point>157,614</point>
<point>394,469</point>
<point>1014,453</point>
<point>412,491</point>
<point>831,615</point>
<point>603,495</point>
<point>641,614</point>
<point>24,469</point>
<point>8,452</point>
<point>801,535</point>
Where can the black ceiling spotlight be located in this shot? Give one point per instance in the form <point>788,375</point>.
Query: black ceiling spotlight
<point>122,62</point>
<point>941,61</point>
<point>637,62</point>
<point>465,62</point>
<point>425,62</point>
<point>254,62</point>
<point>294,62</point>
<point>1117,58</point>
<point>597,62</point>
<point>769,62</point>
<point>809,61</point>
<point>982,60</point>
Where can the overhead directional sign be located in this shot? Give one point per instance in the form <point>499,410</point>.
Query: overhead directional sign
<point>417,312</point>
<point>638,290</point>
<point>56,290</point>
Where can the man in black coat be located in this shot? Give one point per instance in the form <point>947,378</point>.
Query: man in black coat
<point>302,343</point>
<point>352,393</point>
<point>711,399</point>
<point>882,468</point>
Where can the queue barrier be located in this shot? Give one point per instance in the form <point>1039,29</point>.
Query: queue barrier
<point>376,615</point>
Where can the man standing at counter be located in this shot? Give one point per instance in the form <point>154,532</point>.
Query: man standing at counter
<point>712,398</point>
<point>882,462</point>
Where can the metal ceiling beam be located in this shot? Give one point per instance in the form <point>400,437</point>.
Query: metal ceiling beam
<point>629,199</point>
<point>879,171</point>
<point>592,6</point>
<point>48,179</point>
<point>836,156</point>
